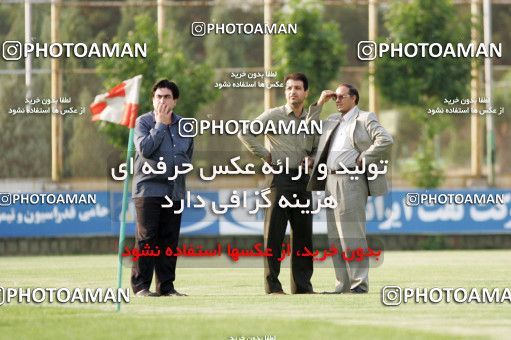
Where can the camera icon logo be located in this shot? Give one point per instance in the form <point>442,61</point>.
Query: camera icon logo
<point>412,199</point>
<point>391,295</point>
<point>366,50</point>
<point>11,50</point>
<point>5,199</point>
<point>198,29</point>
<point>187,127</point>
<point>2,295</point>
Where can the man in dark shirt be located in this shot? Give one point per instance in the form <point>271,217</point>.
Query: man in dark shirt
<point>295,148</point>
<point>157,140</point>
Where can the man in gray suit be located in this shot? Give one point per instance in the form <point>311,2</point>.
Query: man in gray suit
<point>350,137</point>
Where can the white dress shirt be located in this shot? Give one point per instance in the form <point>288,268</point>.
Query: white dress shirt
<point>341,147</point>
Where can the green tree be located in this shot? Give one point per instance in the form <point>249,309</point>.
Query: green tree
<point>233,103</point>
<point>249,48</point>
<point>316,50</point>
<point>25,138</point>
<point>423,82</point>
<point>84,147</point>
<point>503,123</point>
<point>163,61</point>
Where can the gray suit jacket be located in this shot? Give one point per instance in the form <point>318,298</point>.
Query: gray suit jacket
<point>367,136</point>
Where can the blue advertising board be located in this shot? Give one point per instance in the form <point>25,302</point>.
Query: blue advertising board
<point>389,214</point>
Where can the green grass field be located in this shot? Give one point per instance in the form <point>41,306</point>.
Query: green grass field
<point>229,302</point>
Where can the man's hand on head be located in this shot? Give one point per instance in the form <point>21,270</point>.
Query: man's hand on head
<point>163,114</point>
<point>326,95</point>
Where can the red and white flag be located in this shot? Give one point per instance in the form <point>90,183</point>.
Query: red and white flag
<point>120,104</point>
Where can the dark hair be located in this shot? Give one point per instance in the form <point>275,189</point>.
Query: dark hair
<point>352,91</point>
<point>165,83</point>
<point>298,76</point>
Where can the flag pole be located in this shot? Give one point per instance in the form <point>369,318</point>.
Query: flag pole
<point>125,113</point>
<point>125,199</point>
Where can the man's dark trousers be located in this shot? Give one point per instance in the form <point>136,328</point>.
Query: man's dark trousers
<point>156,226</point>
<point>275,223</point>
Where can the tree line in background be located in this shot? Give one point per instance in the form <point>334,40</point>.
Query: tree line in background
<point>319,50</point>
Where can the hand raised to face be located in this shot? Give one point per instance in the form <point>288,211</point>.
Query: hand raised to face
<point>163,114</point>
<point>326,95</point>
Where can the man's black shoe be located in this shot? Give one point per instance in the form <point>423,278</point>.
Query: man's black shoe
<point>359,290</point>
<point>146,293</point>
<point>173,292</point>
